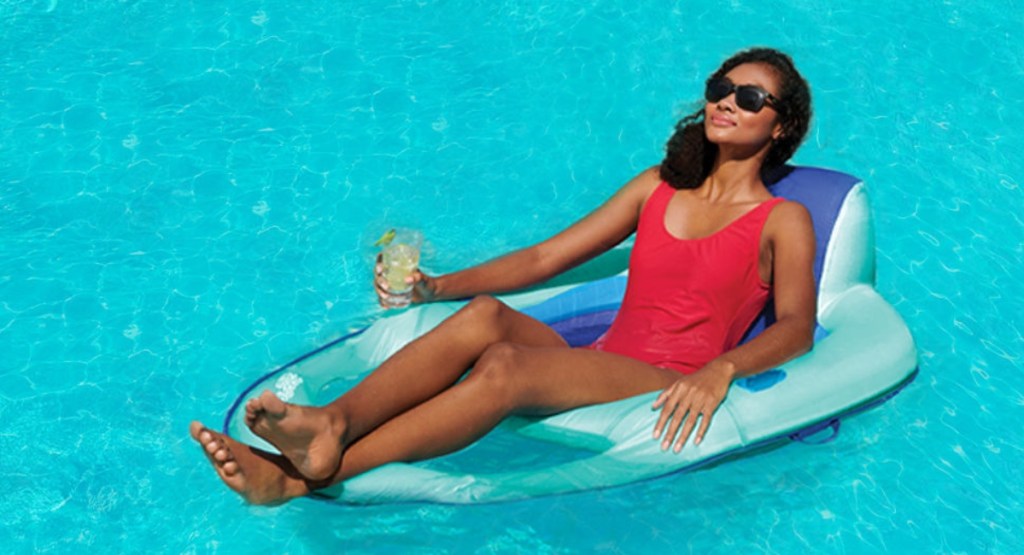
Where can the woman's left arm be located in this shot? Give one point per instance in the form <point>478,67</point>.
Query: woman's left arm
<point>790,237</point>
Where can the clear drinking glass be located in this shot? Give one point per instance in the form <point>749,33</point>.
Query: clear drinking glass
<point>399,258</point>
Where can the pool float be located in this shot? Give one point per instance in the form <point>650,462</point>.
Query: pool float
<point>863,354</point>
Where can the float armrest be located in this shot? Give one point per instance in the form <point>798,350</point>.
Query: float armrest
<point>869,350</point>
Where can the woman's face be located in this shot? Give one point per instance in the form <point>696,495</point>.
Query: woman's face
<point>725,123</point>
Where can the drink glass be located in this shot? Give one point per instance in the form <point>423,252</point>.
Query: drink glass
<point>400,257</point>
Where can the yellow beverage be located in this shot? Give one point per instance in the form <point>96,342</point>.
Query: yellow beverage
<point>399,261</point>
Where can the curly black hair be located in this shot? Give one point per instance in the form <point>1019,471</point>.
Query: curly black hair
<point>689,155</point>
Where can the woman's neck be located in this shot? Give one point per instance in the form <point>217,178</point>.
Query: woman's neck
<point>733,179</point>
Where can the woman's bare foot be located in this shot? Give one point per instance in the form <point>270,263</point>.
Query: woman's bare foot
<point>310,437</point>
<point>261,478</point>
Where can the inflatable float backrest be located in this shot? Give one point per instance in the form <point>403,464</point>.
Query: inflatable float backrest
<point>845,251</point>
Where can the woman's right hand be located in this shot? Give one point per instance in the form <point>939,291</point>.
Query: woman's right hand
<point>423,286</point>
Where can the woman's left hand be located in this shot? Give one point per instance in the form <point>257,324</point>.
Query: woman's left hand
<point>692,396</point>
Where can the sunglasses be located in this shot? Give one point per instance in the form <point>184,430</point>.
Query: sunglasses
<point>748,97</point>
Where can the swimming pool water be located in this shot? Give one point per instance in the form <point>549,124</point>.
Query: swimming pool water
<point>188,192</point>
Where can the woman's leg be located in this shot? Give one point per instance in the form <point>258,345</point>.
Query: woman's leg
<point>313,439</point>
<point>508,379</point>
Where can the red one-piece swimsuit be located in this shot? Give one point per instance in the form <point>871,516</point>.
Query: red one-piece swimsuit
<point>688,300</point>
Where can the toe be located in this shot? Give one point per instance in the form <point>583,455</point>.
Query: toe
<point>196,429</point>
<point>253,410</point>
<point>206,436</point>
<point>222,455</point>
<point>272,404</point>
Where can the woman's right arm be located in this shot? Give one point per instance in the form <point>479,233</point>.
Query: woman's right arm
<point>596,233</point>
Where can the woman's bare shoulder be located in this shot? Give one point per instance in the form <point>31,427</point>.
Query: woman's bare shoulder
<point>641,186</point>
<point>791,209</point>
<point>789,220</point>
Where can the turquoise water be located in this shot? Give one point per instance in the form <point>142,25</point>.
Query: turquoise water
<point>187,194</point>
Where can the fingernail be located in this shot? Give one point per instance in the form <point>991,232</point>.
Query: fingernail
<point>678,448</point>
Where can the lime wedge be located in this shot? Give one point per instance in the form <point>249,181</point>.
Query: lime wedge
<point>386,238</point>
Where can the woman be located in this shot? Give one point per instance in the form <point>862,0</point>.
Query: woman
<point>711,244</point>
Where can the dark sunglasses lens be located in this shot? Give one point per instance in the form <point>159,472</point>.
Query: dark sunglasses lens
<point>717,89</point>
<point>750,99</point>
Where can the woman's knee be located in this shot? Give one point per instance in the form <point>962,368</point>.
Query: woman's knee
<point>483,311</point>
<point>485,306</point>
<point>496,369</point>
